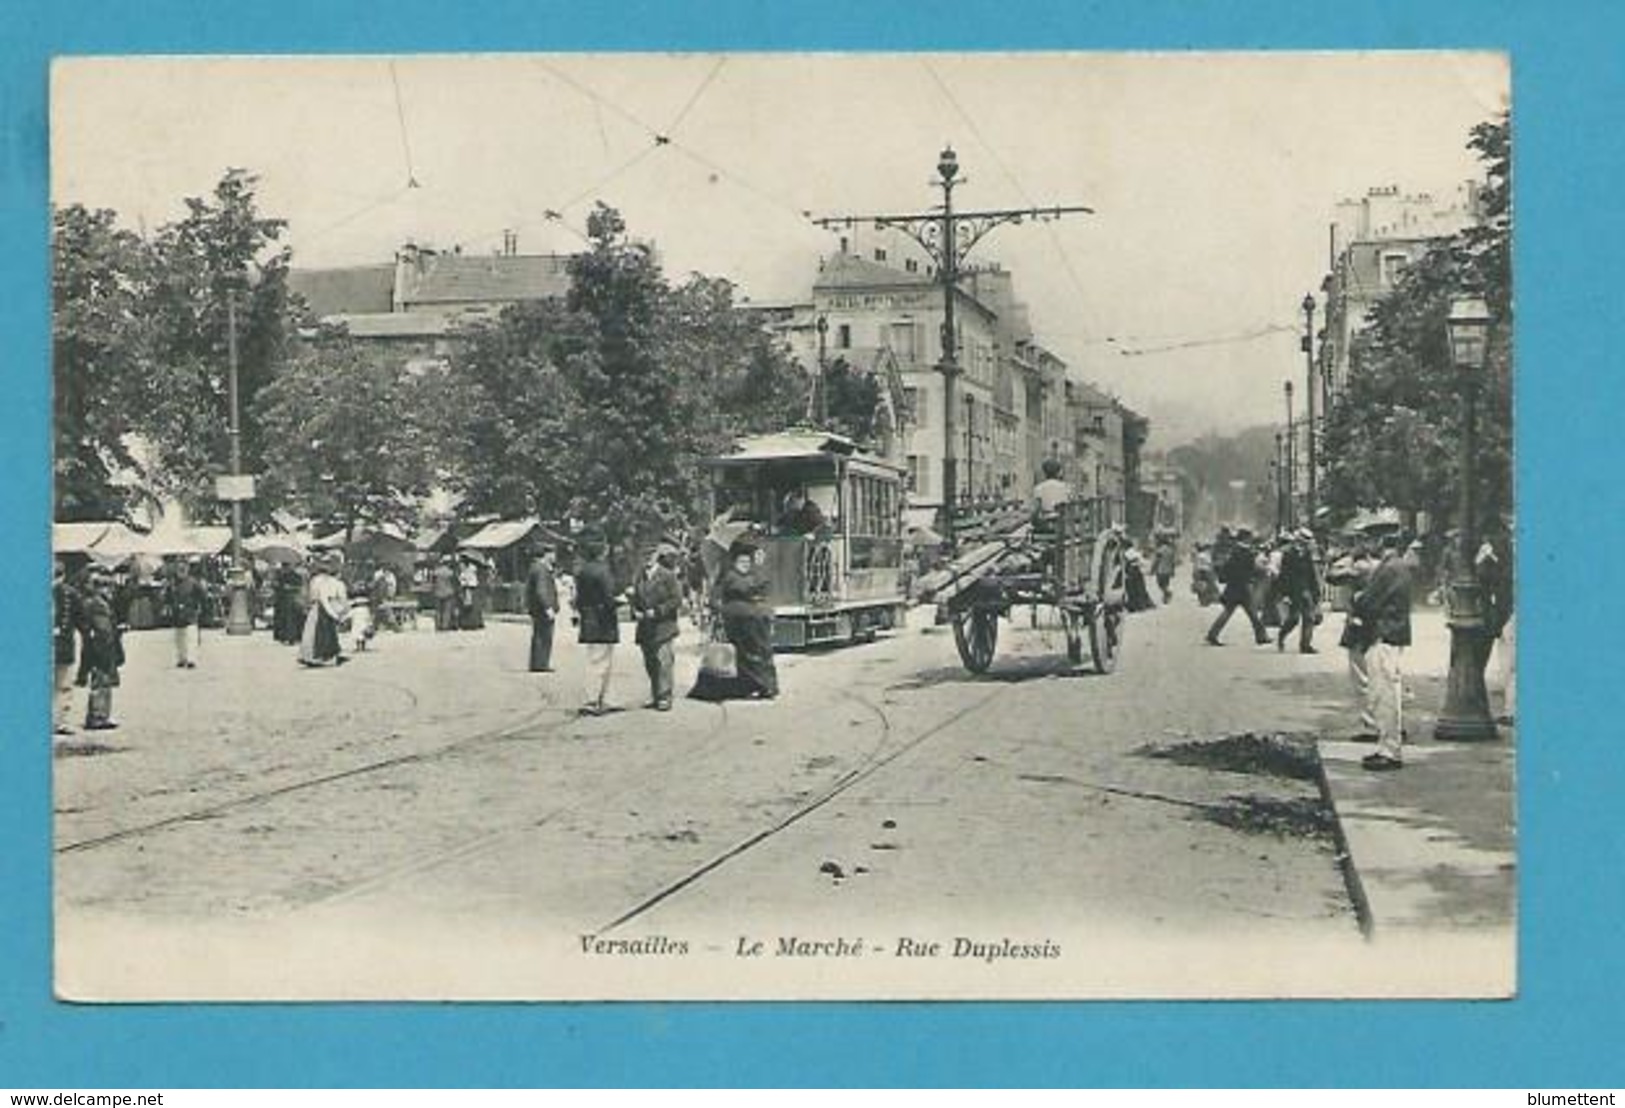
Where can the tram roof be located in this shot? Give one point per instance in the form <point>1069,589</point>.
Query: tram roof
<point>796,444</point>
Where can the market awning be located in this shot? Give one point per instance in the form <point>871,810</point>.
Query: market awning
<point>501,534</point>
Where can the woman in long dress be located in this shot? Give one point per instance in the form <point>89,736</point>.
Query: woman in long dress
<point>329,605</point>
<point>747,623</point>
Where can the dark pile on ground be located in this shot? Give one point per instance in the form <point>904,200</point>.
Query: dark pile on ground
<point>1274,755</point>
<point>1300,817</point>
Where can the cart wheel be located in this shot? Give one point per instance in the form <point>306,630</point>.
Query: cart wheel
<point>1105,638</point>
<point>976,634</point>
<point>1074,636</point>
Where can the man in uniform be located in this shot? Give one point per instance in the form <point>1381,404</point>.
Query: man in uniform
<point>542,602</point>
<point>64,646</point>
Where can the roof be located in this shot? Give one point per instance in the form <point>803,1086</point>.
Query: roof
<point>850,271</point>
<point>501,534</point>
<point>796,444</point>
<point>78,538</point>
<point>348,290</point>
<point>114,541</point>
<point>502,278</point>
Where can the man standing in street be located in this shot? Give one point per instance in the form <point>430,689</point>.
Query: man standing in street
<point>600,627</point>
<point>102,652</point>
<point>657,597</point>
<point>1163,561</point>
<point>1239,571</point>
<point>444,581</point>
<point>1384,608</point>
<point>185,603</point>
<point>542,602</point>
<point>1299,586</point>
<point>64,646</point>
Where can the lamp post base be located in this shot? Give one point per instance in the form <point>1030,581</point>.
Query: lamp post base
<point>1465,716</point>
<point>239,620</point>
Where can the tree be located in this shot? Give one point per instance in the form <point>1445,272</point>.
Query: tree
<point>852,401</point>
<point>197,264</point>
<point>99,338</point>
<point>1393,436</point>
<point>346,435</point>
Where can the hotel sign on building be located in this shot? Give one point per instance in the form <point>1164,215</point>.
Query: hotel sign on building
<point>879,301</point>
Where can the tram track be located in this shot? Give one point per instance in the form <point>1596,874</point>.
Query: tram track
<point>264,796</point>
<point>877,759</point>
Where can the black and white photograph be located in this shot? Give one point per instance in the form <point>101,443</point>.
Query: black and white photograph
<point>799,526</point>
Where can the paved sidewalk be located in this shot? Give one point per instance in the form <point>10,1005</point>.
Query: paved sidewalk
<point>1431,845</point>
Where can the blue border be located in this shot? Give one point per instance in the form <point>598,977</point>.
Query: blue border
<point>1562,1031</point>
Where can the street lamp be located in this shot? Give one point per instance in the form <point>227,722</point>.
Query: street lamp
<point>240,616</point>
<point>820,405</point>
<point>1466,712</point>
<point>1309,401</point>
<point>1291,460</point>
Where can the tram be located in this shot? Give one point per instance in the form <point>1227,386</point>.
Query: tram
<point>830,519</point>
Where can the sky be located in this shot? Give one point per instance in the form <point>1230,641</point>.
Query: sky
<point>1212,176</point>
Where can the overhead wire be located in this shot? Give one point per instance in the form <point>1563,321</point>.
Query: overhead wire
<point>400,116</point>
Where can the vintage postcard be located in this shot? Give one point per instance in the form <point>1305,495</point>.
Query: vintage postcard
<point>783,526</point>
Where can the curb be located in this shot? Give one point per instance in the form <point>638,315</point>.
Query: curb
<point>1345,856</point>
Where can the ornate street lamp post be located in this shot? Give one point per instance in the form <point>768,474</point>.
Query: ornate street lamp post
<point>238,488</point>
<point>1466,712</point>
<point>1309,403</point>
<point>1291,460</point>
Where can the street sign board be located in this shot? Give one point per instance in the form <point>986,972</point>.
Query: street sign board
<point>232,487</point>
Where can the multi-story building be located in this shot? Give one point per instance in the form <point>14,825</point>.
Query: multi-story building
<point>1374,240</point>
<point>417,303</point>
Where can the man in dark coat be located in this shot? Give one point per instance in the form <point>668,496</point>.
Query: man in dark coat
<point>184,598</point>
<point>657,598</point>
<point>102,653</point>
<point>1238,571</point>
<point>444,580</point>
<point>542,602</point>
<point>1299,586</point>
<point>1383,608</point>
<point>64,646</point>
<point>600,627</point>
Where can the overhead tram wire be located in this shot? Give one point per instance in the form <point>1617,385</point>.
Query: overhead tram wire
<point>400,116</point>
<point>671,128</point>
<point>976,133</point>
<point>1223,340</point>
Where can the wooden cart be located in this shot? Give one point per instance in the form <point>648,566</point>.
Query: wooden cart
<point>1072,562</point>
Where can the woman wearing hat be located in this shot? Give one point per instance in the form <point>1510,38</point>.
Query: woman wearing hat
<point>657,598</point>
<point>329,605</point>
<point>747,620</point>
<point>600,628</point>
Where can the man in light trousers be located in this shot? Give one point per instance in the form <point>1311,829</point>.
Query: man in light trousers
<point>1383,608</point>
<point>600,630</point>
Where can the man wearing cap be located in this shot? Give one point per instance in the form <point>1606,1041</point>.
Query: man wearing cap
<point>103,650</point>
<point>184,599</point>
<point>1299,586</point>
<point>1238,571</point>
<point>600,627</point>
<point>1384,608</point>
<point>657,597</point>
<point>542,602</point>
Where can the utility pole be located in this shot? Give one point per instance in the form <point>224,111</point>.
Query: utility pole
<point>1291,460</point>
<point>1309,385</point>
<point>818,410</point>
<point>947,237</point>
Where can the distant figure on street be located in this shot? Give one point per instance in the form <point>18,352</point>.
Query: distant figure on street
<point>542,602</point>
<point>1134,587</point>
<point>470,599</point>
<point>184,597</point>
<point>381,589</point>
<point>1239,572</point>
<point>1298,585</point>
<point>1495,596</point>
<point>64,647</point>
<point>600,627</point>
<point>102,652</point>
<point>444,586</point>
<point>1383,608</point>
<point>1204,579</point>
<point>657,598</point>
<point>1050,493</point>
<point>329,607</point>
<point>287,605</point>
<point>1164,560</point>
